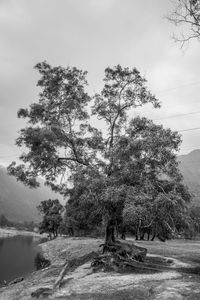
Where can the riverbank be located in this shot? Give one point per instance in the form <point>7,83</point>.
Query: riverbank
<point>180,281</point>
<point>11,232</point>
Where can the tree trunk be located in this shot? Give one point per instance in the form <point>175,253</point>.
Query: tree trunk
<point>142,237</point>
<point>148,234</point>
<point>138,230</point>
<point>142,233</point>
<point>154,232</point>
<point>117,231</point>
<point>123,233</point>
<point>110,232</point>
<point>71,231</point>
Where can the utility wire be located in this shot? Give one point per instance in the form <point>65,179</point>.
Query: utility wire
<point>197,162</point>
<point>178,115</point>
<point>189,129</point>
<point>180,86</point>
<point>177,87</point>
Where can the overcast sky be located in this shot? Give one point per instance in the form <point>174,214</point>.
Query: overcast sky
<point>91,35</point>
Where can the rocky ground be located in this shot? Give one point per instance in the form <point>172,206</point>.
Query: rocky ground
<point>178,279</point>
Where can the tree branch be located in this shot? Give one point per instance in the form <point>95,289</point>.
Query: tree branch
<point>73,159</point>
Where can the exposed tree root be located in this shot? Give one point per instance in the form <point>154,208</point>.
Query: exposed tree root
<point>72,265</point>
<point>126,249</point>
<point>117,257</point>
<point>68,266</point>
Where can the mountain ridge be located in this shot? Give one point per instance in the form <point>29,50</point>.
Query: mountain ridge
<point>18,202</point>
<point>189,165</point>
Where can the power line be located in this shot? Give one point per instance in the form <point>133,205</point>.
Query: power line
<point>189,129</point>
<point>178,115</point>
<point>180,86</point>
<point>177,87</point>
<point>197,162</point>
<point>181,115</point>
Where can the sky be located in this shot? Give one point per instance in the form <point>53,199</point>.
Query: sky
<point>92,35</point>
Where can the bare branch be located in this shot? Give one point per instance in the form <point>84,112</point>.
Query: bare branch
<point>186,14</point>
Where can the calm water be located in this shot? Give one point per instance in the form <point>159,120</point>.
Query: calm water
<point>17,255</point>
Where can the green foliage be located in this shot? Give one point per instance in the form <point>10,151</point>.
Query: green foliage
<point>4,221</point>
<point>194,214</point>
<point>124,175</point>
<point>41,262</point>
<point>30,226</point>
<point>52,218</point>
<point>58,134</point>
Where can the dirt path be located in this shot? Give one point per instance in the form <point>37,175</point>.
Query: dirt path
<point>181,281</point>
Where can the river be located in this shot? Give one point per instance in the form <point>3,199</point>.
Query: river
<point>17,256</point>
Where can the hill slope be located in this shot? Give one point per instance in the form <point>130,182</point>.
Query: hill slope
<point>18,202</point>
<point>190,168</point>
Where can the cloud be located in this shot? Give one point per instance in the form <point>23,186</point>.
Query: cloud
<point>12,14</point>
<point>92,35</point>
<point>101,6</point>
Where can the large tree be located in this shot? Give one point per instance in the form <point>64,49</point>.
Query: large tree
<point>144,191</point>
<point>109,167</point>
<point>186,16</point>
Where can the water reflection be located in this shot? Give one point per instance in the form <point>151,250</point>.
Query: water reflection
<point>17,256</point>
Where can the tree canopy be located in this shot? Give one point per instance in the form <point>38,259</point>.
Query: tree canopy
<point>186,15</point>
<point>128,171</point>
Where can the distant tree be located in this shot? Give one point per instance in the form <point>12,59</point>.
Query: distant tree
<point>4,221</point>
<point>102,172</point>
<point>186,15</point>
<point>52,218</point>
<point>30,226</point>
<point>194,212</point>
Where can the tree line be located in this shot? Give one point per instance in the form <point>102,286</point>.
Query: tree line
<point>84,220</point>
<point>26,225</point>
